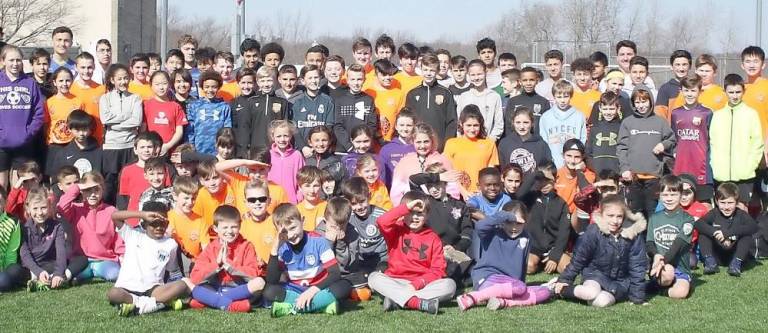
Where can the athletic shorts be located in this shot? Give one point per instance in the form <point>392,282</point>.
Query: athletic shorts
<point>12,156</point>
<point>147,293</point>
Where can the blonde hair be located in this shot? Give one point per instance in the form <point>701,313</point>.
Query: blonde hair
<point>264,72</point>
<point>562,87</point>
<point>277,124</point>
<point>257,184</point>
<point>93,176</point>
<point>36,194</point>
<point>186,185</point>
<point>364,161</point>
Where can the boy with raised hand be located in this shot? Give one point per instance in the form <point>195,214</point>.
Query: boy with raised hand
<point>668,241</point>
<point>89,91</point>
<point>207,114</point>
<point>486,51</point>
<point>736,140</point>
<point>62,41</point>
<point>354,108</point>
<point>308,263</point>
<point>691,124</point>
<point>149,254</point>
<point>40,60</point>
<point>416,277</point>
<point>562,123</point>
<point>459,73</point>
<point>527,98</point>
<point>388,97</point>
<point>311,109</point>
<point>408,78</point>
<point>553,62</point>
<point>433,103</point>
<point>224,64</point>
<point>184,226</point>
<point>132,182</point>
<point>584,96</point>
<point>227,274</point>
<point>680,64</point>
<point>139,85</point>
<point>756,89</point>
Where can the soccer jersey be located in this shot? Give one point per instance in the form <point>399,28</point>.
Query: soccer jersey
<point>231,192</point>
<point>163,117</point>
<point>471,156</point>
<point>388,103</point>
<point>188,230</point>
<point>664,228</point>
<point>584,100</point>
<point>309,266</point>
<point>407,81</point>
<point>229,91</point>
<point>90,94</point>
<point>379,196</point>
<point>58,108</point>
<point>712,97</point>
<point>205,118</point>
<point>691,127</point>
<point>312,215</point>
<point>756,97</point>
<point>145,261</point>
<point>132,184</point>
<point>261,234</point>
<point>144,90</point>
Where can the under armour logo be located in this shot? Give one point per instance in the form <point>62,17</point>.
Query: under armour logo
<point>422,249</point>
<point>610,138</point>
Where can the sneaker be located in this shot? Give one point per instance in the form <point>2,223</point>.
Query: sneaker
<point>175,305</point>
<point>388,305</point>
<point>282,309</point>
<point>431,306</point>
<point>495,303</point>
<point>195,304</point>
<point>126,310</point>
<point>465,302</point>
<point>242,305</point>
<point>710,265</point>
<point>332,309</point>
<point>360,294</point>
<point>550,284</point>
<point>150,307</point>
<point>734,269</point>
<point>35,285</point>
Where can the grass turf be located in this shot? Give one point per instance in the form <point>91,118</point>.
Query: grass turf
<point>719,302</point>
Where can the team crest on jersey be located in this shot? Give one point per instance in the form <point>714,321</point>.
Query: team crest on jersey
<point>230,199</point>
<point>268,239</point>
<point>456,213</point>
<point>391,101</point>
<point>718,99</point>
<point>311,259</point>
<point>537,109</point>
<point>257,104</point>
<point>439,99</point>
<point>321,109</point>
<point>163,256</point>
<point>523,243</point>
<point>687,228</point>
<point>371,230</point>
<point>275,107</point>
<point>697,121</point>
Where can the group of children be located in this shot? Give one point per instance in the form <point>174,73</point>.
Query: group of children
<point>190,183</point>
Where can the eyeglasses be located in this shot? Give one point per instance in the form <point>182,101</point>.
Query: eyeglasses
<point>607,188</point>
<point>257,199</point>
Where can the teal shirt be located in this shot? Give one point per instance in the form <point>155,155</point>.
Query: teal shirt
<point>665,227</point>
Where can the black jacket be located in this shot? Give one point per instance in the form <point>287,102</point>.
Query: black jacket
<point>254,125</point>
<point>331,163</point>
<point>528,154</point>
<point>435,106</point>
<point>353,110</point>
<point>85,160</point>
<point>448,218</point>
<point>548,221</point>
<point>241,118</point>
<point>740,224</point>
<point>534,102</point>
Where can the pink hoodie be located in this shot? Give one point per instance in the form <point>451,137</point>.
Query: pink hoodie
<point>285,167</point>
<point>410,165</point>
<point>94,232</point>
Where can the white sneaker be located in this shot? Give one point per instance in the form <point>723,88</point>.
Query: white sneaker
<point>550,284</point>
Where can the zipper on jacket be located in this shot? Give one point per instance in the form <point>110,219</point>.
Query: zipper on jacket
<point>266,106</point>
<point>428,97</point>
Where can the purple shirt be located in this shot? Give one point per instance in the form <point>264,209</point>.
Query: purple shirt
<point>691,129</point>
<point>21,110</point>
<point>390,154</point>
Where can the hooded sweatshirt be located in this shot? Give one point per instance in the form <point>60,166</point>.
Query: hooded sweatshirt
<point>528,153</point>
<point>85,160</point>
<point>637,137</point>
<point>558,126</point>
<point>502,254</point>
<point>736,143</point>
<point>21,103</point>
<point>434,105</point>
<point>489,103</point>
<point>353,110</point>
<point>94,231</point>
<point>331,163</point>
<point>391,154</point>
<point>285,167</point>
<point>308,112</point>
<point>602,143</point>
<point>412,164</point>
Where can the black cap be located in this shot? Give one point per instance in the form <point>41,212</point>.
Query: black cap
<point>574,144</point>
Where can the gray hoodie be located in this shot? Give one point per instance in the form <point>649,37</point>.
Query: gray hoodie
<point>638,134</point>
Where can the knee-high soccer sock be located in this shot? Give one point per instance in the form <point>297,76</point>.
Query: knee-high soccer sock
<point>500,290</point>
<point>210,297</point>
<point>290,296</point>
<point>237,293</point>
<point>322,299</point>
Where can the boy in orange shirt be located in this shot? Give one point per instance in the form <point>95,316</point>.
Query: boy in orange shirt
<point>571,177</point>
<point>89,91</point>
<point>408,78</point>
<point>224,64</point>
<point>584,96</point>
<point>218,188</point>
<point>756,94</point>
<point>712,95</point>
<point>361,53</point>
<point>312,207</point>
<point>186,227</point>
<point>257,226</point>
<point>139,85</point>
<point>388,97</point>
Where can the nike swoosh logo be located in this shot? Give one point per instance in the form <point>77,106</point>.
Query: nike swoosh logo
<point>70,156</point>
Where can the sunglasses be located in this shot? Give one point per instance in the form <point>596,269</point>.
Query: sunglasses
<point>257,199</point>
<point>607,188</point>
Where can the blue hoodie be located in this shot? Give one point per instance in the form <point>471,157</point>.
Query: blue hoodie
<point>21,110</point>
<point>557,126</point>
<point>205,118</point>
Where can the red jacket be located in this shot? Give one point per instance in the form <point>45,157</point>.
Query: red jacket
<point>240,255</point>
<point>15,203</point>
<point>414,256</point>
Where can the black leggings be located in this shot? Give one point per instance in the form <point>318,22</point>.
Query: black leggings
<point>276,292</point>
<point>75,265</point>
<point>643,196</point>
<point>12,276</point>
<point>711,247</point>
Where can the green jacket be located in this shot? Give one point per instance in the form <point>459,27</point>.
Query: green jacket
<point>10,240</point>
<point>736,143</point>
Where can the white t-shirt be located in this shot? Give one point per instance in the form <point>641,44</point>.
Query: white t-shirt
<point>145,260</point>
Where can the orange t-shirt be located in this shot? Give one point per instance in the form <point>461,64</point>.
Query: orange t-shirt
<point>567,186</point>
<point>370,78</point>
<point>585,100</point>
<point>756,97</point>
<point>388,103</point>
<point>713,97</point>
<point>379,196</point>
<point>231,193</point>
<point>144,90</point>
<point>229,91</point>
<point>261,234</point>
<point>58,108</point>
<point>312,215</point>
<point>408,82</point>
<point>471,156</point>
<point>189,231</point>
<point>90,95</point>
<point>277,196</point>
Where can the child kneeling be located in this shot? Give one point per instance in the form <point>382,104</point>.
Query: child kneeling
<point>227,273</point>
<point>140,286</point>
<point>610,258</point>
<point>306,260</point>
<point>499,275</point>
<point>415,276</point>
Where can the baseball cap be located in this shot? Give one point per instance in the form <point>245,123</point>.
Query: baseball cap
<point>573,144</point>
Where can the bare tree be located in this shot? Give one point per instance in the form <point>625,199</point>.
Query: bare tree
<point>25,21</point>
<point>208,31</point>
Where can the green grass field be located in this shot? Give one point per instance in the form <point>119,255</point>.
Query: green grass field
<point>719,303</point>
